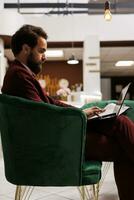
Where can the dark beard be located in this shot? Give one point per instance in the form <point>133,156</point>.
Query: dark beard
<point>33,65</point>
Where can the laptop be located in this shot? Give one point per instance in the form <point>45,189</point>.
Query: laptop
<point>114,109</point>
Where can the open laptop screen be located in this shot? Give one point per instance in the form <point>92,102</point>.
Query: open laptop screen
<point>122,97</point>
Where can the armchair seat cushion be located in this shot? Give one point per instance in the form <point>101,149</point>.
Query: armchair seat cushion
<point>91,172</point>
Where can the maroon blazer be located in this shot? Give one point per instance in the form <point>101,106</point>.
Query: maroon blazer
<point>21,82</point>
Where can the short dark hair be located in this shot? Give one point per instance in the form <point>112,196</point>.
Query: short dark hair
<point>27,34</point>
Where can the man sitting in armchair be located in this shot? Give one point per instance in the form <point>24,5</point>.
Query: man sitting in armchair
<point>114,143</point>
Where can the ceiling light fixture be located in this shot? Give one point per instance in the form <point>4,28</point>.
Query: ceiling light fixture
<point>124,63</point>
<point>54,53</point>
<point>107,13</point>
<point>72,60</point>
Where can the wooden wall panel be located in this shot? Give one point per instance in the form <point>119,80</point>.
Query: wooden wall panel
<point>60,69</point>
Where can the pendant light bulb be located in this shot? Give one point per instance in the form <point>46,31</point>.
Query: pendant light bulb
<point>107,14</point>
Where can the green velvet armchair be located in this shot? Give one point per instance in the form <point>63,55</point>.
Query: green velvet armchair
<point>43,145</point>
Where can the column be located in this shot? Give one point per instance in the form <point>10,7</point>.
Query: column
<point>3,63</point>
<point>1,5</point>
<point>91,68</point>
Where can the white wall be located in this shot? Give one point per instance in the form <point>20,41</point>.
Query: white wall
<point>63,28</point>
<point>91,66</point>
<point>10,21</point>
<point>2,67</point>
<point>76,27</point>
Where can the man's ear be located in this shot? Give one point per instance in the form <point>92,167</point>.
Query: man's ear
<point>26,49</point>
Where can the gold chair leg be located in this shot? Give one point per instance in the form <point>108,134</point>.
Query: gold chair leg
<point>89,192</point>
<point>96,191</point>
<point>96,188</point>
<point>23,192</point>
<point>92,191</point>
<point>28,192</point>
<point>82,192</point>
<point>18,193</point>
<point>105,169</point>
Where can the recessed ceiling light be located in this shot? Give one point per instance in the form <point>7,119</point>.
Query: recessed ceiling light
<point>126,63</point>
<point>54,53</point>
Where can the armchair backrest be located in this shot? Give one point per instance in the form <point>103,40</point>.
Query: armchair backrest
<point>42,144</point>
